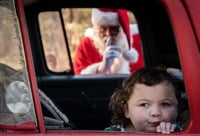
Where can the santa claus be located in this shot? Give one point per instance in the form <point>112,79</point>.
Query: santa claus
<point>109,49</point>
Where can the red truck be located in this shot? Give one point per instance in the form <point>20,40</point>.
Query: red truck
<point>41,95</point>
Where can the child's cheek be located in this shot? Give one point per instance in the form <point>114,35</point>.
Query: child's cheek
<point>170,115</point>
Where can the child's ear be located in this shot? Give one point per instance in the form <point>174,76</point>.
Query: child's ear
<point>126,113</point>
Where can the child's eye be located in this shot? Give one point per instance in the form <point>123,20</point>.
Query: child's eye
<point>165,104</point>
<point>146,105</point>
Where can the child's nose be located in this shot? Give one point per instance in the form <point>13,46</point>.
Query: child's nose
<point>155,111</point>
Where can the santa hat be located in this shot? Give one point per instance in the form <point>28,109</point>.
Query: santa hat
<point>106,16</point>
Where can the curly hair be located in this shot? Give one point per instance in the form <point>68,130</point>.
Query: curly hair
<point>149,76</point>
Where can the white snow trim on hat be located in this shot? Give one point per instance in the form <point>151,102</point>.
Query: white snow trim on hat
<point>104,18</point>
<point>131,55</point>
<point>134,29</point>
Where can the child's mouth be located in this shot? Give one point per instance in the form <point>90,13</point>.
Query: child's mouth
<point>155,123</point>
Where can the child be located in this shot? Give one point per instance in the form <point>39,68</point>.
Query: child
<point>148,101</point>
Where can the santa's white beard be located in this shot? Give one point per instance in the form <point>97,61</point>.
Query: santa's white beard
<point>120,39</point>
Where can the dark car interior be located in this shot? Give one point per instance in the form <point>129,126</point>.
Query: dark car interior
<point>84,99</point>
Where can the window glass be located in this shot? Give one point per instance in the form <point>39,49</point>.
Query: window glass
<point>53,42</point>
<point>16,104</point>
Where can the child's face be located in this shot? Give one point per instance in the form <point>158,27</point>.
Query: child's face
<point>150,105</point>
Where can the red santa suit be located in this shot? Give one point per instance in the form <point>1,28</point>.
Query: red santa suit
<point>86,54</point>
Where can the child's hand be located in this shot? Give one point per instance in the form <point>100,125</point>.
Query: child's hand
<point>166,127</point>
